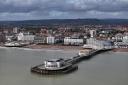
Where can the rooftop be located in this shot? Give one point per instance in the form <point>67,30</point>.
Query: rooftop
<point>55,60</point>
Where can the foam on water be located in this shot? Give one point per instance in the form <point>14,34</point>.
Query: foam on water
<point>30,49</point>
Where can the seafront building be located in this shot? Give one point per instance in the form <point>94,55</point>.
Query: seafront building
<point>50,40</point>
<point>99,44</point>
<point>121,40</point>
<point>25,37</point>
<point>125,38</point>
<point>16,30</point>
<point>93,33</point>
<point>120,45</point>
<point>72,41</point>
<point>40,39</point>
<point>9,37</point>
<point>118,37</point>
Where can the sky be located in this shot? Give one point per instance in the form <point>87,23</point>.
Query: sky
<point>62,9</point>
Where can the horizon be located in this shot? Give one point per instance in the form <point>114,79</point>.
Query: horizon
<point>64,19</point>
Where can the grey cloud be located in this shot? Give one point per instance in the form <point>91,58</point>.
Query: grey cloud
<point>57,8</point>
<point>63,5</point>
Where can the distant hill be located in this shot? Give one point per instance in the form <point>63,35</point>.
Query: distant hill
<point>50,22</point>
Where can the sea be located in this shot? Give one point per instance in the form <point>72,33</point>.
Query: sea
<point>108,68</point>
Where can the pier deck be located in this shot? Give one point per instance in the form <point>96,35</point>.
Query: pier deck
<point>41,70</point>
<point>78,58</point>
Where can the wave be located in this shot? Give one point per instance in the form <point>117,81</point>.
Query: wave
<point>45,49</point>
<point>30,49</point>
<point>3,47</point>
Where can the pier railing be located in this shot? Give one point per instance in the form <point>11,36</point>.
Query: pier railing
<point>90,54</point>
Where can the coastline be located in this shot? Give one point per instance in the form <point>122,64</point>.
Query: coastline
<point>67,48</point>
<point>74,49</point>
<point>60,47</point>
<point>53,47</point>
<point>120,50</point>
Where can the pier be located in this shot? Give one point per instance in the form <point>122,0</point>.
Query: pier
<point>92,53</point>
<point>72,63</point>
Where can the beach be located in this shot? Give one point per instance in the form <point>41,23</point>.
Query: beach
<point>63,47</point>
<point>54,47</point>
<point>120,50</point>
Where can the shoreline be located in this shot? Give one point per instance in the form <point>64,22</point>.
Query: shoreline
<point>53,47</point>
<point>61,47</point>
<point>48,47</point>
<point>120,50</point>
<point>68,48</point>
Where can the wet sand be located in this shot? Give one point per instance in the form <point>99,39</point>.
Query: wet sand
<point>120,50</point>
<point>64,47</point>
<point>54,47</point>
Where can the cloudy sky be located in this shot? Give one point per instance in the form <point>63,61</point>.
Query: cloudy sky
<point>62,9</point>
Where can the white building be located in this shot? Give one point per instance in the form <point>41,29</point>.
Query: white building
<point>119,37</point>
<point>15,30</point>
<point>98,44</point>
<point>92,33</point>
<point>9,37</point>
<point>40,40</point>
<point>71,41</point>
<point>54,63</point>
<point>125,39</point>
<point>25,37</point>
<point>50,40</point>
<point>121,45</point>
